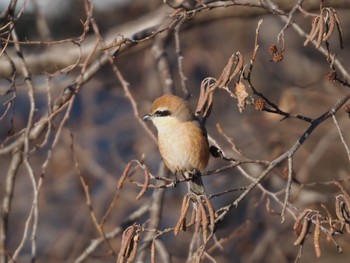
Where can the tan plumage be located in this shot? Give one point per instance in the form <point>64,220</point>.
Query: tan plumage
<point>182,140</point>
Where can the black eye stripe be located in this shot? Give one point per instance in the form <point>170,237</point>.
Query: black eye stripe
<point>162,113</point>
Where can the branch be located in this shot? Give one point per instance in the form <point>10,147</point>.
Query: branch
<point>57,57</point>
<point>289,153</point>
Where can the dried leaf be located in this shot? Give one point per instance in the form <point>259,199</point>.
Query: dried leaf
<point>239,66</point>
<point>300,218</point>
<point>145,184</point>
<point>345,194</point>
<point>317,233</point>
<point>125,244</point>
<point>330,23</point>
<point>321,30</point>
<point>133,252</point>
<point>211,213</point>
<point>184,209</point>
<point>124,175</point>
<point>242,95</point>
<point>153,251</point>
<point>198,220</point>
<point>304,229</point>
<point>314,30</point>
<point>204,220</point>
<point>338,211</point>
<point>226,72</point>
<point>205,100</point>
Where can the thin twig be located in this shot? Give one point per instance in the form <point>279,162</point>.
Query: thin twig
<point>288,186</point>
<point>180,59</point>
<point>341,136</point>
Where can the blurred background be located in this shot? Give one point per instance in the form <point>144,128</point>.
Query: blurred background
<point>103,134</point>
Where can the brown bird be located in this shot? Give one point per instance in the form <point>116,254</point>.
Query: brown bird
<point>182,139</point>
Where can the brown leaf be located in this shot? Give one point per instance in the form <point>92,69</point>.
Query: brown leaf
<point>182,218</point>
<point>305,227</point>
<point>317,233</point>
<point>242,95</point>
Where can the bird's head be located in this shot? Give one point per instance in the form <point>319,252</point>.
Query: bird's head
<point>169,110</point>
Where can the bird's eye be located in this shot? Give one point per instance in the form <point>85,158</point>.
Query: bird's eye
<point>162,113</point>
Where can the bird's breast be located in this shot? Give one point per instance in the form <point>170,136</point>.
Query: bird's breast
<point>184,147</point>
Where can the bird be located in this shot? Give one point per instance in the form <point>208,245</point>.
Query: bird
<point>182,139</point>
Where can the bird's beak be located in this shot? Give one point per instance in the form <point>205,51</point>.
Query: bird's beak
<point>147,117</point>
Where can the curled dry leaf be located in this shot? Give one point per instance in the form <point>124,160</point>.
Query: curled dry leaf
<point>330,20</point>
<point>204,220</point>
<point>239,63</point>
<point>305,227</point>
<point>205,101</point>
<point>342,212</point>
<point>345,195</point>
<point>124,175</point>
<point>233,67</point>
<point>133,252</point>
<point>145,184</point>
<point>198,220</point>
<point>182,218</point>
<point>242,96</point>
<point>323,26</point>
<point>153,251</point>
<point>314,30</point>
<point>226,72</point>
<point>317,233</point>
<point>125,244</point>
<point>338,211</point>
<point>211,213</point>
<point>321,30</point>
<point>300,218</point>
